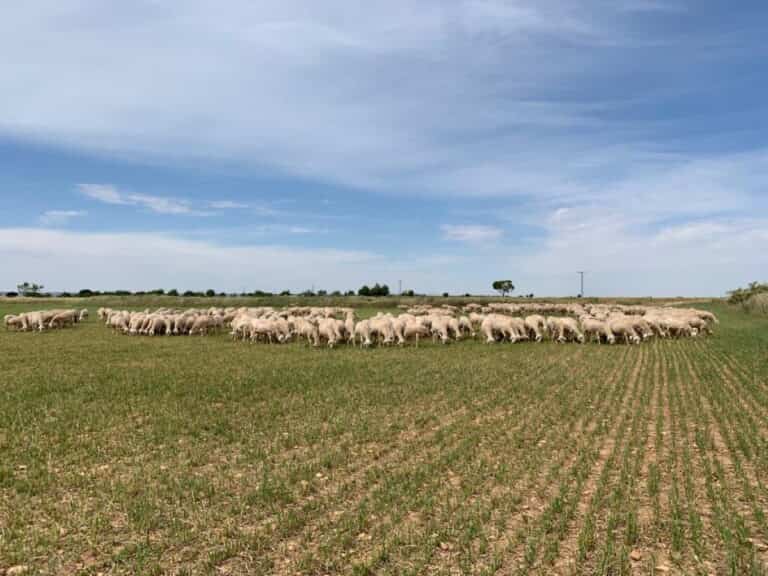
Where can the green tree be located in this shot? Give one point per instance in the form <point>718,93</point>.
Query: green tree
<point>504,287</point>
<point>29,289</point>
<point>379,290</point>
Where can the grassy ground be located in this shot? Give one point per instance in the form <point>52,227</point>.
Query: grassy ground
<point>201,456</point>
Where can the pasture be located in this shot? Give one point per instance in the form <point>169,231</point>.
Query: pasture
<point>198,455</point>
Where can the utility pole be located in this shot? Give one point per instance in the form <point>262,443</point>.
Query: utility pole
<point>581,273</point>
<point>399,287</point>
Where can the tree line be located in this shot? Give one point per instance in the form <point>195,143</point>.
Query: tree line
<point>31,289</point>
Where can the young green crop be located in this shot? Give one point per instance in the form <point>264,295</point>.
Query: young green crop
<point>128,455</point>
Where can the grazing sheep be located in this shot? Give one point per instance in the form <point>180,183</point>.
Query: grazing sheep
<point>62,319</point>
<point>201,325</point>
<point>13,322</point>
<point>536,326</point>
<point>382,329</point>
<point>498,322</point>
<point>596,330</point>
<point>465,327</point>
<point>363,333</point>
<point>623,329</point>
<point>308,330</point>
<point>328,331</point>
<point>415,329</point>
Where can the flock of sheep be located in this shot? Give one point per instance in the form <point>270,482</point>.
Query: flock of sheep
<point>44,320</point>
<point>495,322</point>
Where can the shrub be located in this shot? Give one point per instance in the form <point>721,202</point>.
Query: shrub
<point>11,294</point>
<point>757,304</point>
<point>742,295</point>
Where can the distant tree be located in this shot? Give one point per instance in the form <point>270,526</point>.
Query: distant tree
<point>503,286</point>
<point>364,291</point>
<point>408,293</point>
<point>173,292</point>
<point>322,292</point>
<point>157,292</point>
<point>285,293</point>
<point>445,294</point>
<point>190,294</point>
<point>349,293</point>
<point>379,290</point>
<point>307,293</point>
<point>85,293</point>
<point>11,294</point>
<point>210,293</point>
<point>29,289</point>
<point>336,293</point>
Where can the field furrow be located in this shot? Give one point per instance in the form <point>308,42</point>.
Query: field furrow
<point>725,488</point>
<point>539,540</point>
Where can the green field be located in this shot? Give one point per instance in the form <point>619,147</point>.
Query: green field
<point>197,455</point>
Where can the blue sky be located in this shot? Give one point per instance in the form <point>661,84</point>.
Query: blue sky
<point>276,145</point>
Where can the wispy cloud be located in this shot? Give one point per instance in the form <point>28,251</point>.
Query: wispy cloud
<point>325,115</point>
<point>226,205</point>
<point>103,193</point>
<point>59,217</point>
<point>109,194</point>
<point>471,233</point>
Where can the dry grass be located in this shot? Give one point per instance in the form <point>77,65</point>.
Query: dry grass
<point>199,456</point>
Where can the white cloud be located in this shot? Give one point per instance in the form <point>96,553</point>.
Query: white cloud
<point>161,205</point>
<point>706,262</point>
<point>226,205</point>
<point>103,193</point>
<point>484,99</point>
<point>59,217</point>
<point>137,260</point>
<point>134,261</point>
<point>390,95</point>
<point>108,194</point>
<point>471,233</point>
<point>300,230</point>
